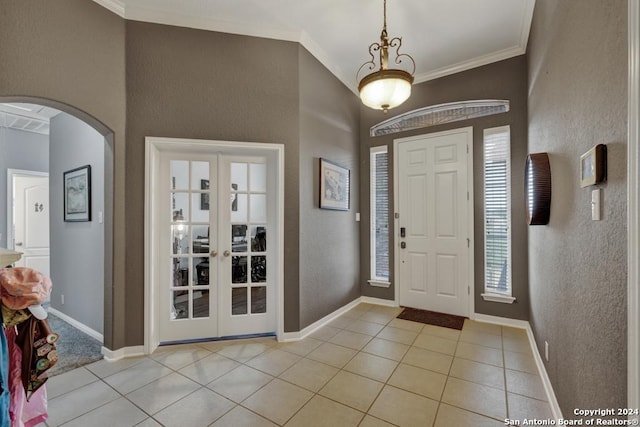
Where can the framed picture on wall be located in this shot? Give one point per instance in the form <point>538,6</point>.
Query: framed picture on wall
<point>334,186</point>
<point>77,194</point>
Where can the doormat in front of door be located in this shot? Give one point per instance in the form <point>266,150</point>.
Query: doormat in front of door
<point>432,318</point>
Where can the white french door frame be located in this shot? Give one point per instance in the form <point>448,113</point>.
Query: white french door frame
<point>470,226</point>
<point>153,147</point>
<point>11,174</point>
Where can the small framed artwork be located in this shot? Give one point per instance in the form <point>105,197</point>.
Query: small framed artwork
<point>77,194</point>
<point>204,197</point>
<point>593,166</point>
<point>334,186</point>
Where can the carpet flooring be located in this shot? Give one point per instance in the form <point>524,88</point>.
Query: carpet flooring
<point>74,347</point>
<point>432,318</point>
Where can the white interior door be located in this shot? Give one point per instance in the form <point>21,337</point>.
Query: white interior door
<point>216,270</point>
<point>247,212</point>
<point>31,221</point>
<point>433,183</point>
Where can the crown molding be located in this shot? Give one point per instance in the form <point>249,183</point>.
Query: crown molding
<point>473,63</point>
<point>115,6</point>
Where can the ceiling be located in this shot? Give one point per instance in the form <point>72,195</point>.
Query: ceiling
<point>443,36</point>
<point>27,117</point>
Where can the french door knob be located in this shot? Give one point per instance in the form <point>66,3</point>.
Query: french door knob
<point>213,253</point>
<point>226,253</point>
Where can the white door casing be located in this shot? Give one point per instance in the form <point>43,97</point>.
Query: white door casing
<point>220,267</point>
<point>29,218</point>
<point>433,192</point>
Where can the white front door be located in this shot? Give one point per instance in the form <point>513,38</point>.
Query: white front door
<point>31,221</point>
<point>215,264</point>
<point>433,176</point>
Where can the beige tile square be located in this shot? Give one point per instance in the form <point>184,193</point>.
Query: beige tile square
<point>302,347</point>
<point>149,422</point>
<point>398,335</point>
<point>476,398</point>
<point>356,312</point>
<point>137,376</point>
<point>439,331</point>
<point>371,366</point>
<point>278,401</point>
<point>479,373</point>
<point>406,325</point>
<point>450,416</point>
<point>367,328</point>
<point>332,354</point>
<point>241,417</point>
<point>80,401</point>
<point>274,362</point>
<point>321,412</point>
<point>481,338</point>
<point>240,383</point>
<point>325,333</point>
<point>525,384</point>
<point>508,331</point>
<point>369,421</point>
<point>520,362</point>
<point>386,310</point>
<point>478,353</point>
<point>402,408</point>
<point>378,317</point>
<point>69,381</point>
<point>104,368</point>
<point>482,327</point>
<point>426,359</point>
<point>521,407</point>
<point>352,390</point>
<point>516,344</point>
<point>243,351</point>
<point>389,349</point>
<point>341,322</point>
<point>163,392</point>
<point>120,412</point>
<point>208,369</point>
<point>420,381</point>
<point>214,346</point>
<point>440,345</point>
<point>350,339</point>
<point>189,411</point>
<point>176,357</point>
<point>309,374</point>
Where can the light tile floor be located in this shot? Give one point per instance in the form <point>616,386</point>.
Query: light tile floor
<point>366,368</point>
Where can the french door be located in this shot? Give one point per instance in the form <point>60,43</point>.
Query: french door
<point>215,263</point>
<point>433,175</point>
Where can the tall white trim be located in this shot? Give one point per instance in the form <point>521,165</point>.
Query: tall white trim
<point>153,148</point>
<point>633,208</point>
<point>78,325</point>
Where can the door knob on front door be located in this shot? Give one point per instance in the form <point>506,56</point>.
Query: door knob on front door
<point>18,243</point>
<point>213,254</point>
<point>403,245</point>
<point>226,253</point>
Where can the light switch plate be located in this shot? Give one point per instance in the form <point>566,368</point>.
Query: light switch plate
<point>596,204</point>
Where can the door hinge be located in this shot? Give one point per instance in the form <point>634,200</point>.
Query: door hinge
<point>467,195</point>
<point>467,148</point>
<point>468,242</point>
<point>468,290</point>
<point>397,215</point>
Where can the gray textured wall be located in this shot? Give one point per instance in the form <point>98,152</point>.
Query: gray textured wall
<point>329,240</point>
<point>578,272</point>
<point>187,83</point>
<point>77,248</point>
<point>70,54</point>
<point>19,150</point>
<point>500,80</point>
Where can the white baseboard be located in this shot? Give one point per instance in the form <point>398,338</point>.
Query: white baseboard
<point>523,324</point>
<point>121,353</point>
<point>303,333</point>
<point>76,324</point>
<point>379,301</point>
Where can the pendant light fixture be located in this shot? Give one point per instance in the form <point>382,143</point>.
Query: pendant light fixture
<point>385,88</point>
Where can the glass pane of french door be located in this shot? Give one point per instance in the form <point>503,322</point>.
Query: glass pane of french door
<point>190,212</point>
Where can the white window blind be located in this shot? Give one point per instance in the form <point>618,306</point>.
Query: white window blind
<point>497,211</point>
<point>379,215</point>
